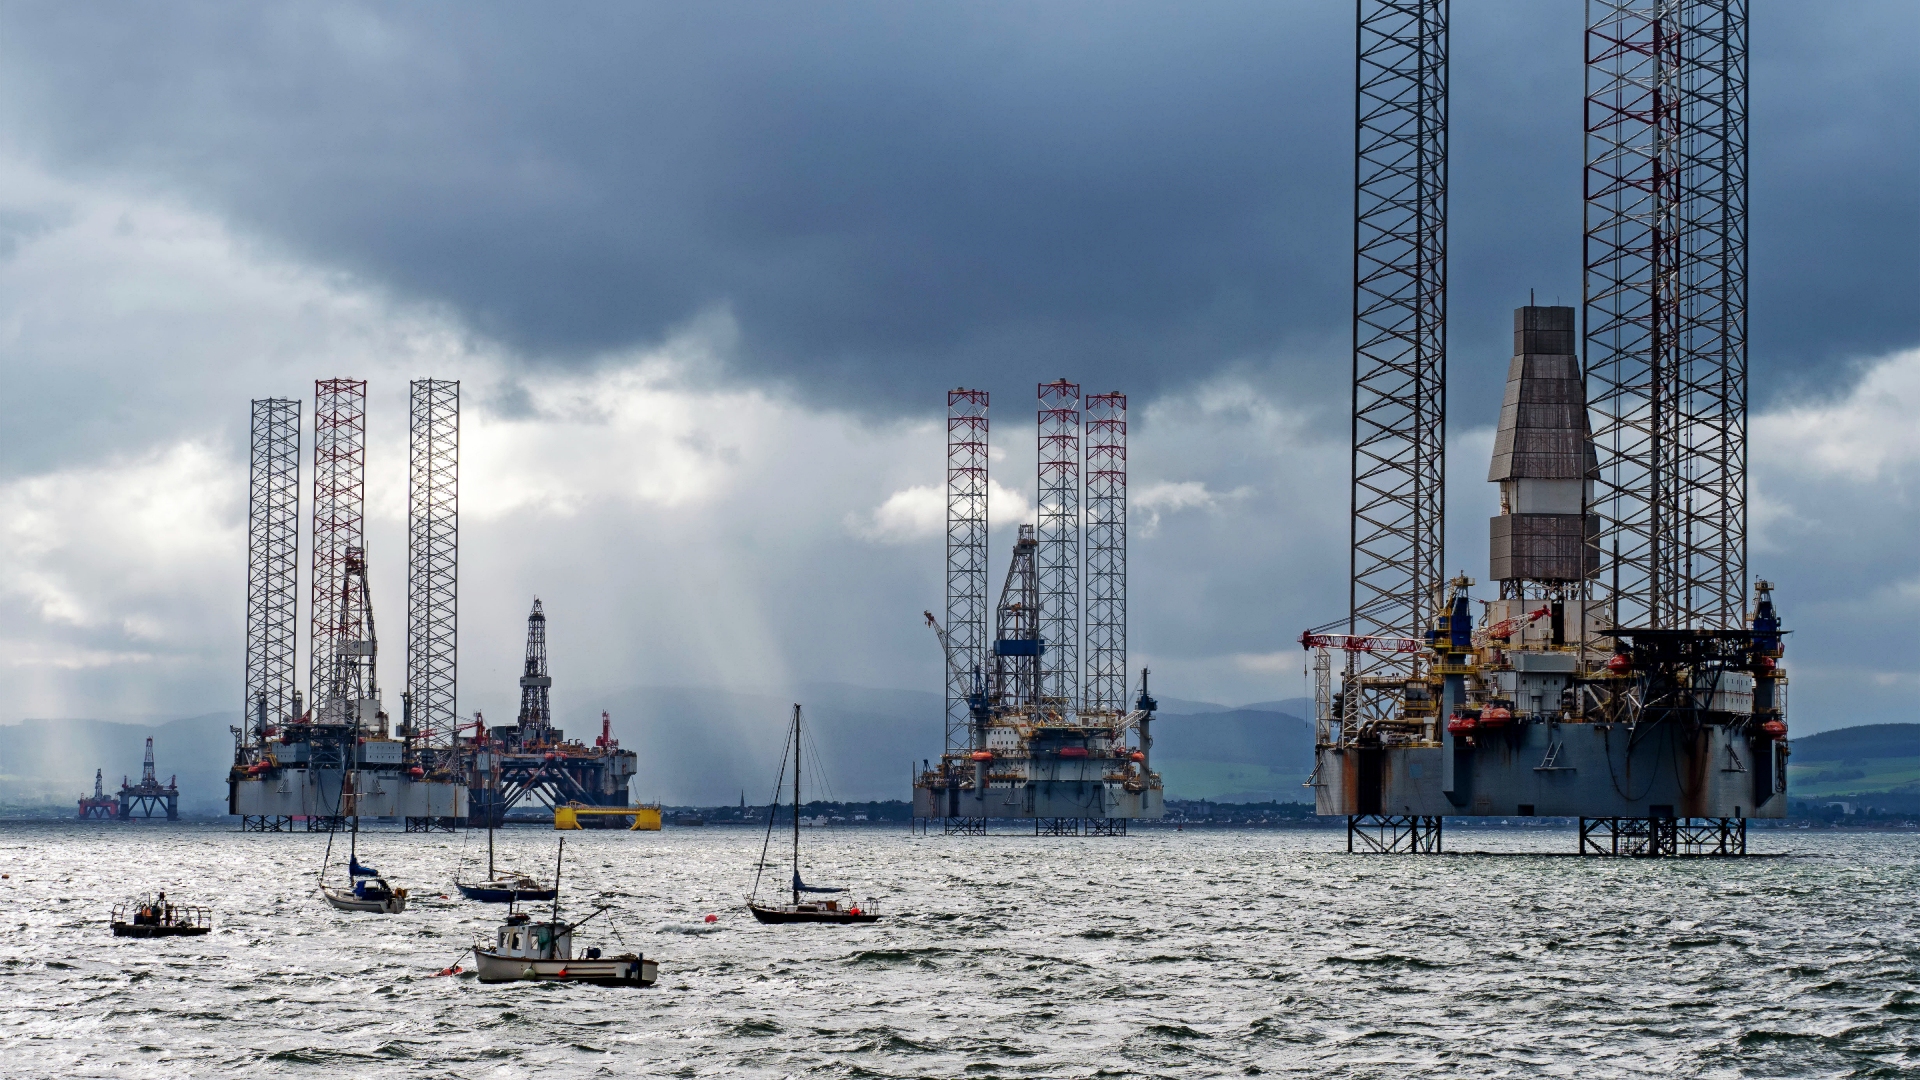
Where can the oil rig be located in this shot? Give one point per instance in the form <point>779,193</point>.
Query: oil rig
<point>532,758</point>
<point>101,806</point>
<point>1622,675</point>
<point>290,761</point>
<point>1032,732</point>
<point>146,798</point>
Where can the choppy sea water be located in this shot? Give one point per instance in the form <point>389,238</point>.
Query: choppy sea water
<point>1203,953</point>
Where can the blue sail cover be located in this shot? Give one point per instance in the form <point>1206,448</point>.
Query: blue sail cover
<point>801,886</point>
<point>354,869</point>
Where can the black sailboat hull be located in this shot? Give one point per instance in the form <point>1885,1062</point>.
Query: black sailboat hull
<point>793,915</point>
<point>486,895</point>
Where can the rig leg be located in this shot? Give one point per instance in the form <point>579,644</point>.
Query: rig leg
<point>1392,834</point>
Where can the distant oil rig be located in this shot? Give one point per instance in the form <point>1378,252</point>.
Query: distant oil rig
<point>145,799</point>
<point>1032,733</point>
<point>1623,675</point>
<point>290,761</point>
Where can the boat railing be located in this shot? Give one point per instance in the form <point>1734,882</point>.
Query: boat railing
<point>146,912</point>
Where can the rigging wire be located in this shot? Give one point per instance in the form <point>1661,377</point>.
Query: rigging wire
<point>773,808</point>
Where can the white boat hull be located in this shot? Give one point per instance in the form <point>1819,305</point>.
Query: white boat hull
<point>493,967</point>
<point>343,900</point>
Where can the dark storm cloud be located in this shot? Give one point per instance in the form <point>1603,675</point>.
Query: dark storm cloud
<point>894,198</point>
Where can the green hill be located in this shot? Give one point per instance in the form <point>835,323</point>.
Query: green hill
<point>1877,763</point>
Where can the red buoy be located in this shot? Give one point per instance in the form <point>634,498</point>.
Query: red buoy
<point>713,918</point>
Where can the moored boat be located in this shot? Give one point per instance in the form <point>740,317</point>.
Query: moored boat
<point>504,889</point>
<point>158,917</point>
<point>369,893</point>
<point>796,910</point>
<point>501,886</point>
<point>366,890</point>
<point>527,951</point>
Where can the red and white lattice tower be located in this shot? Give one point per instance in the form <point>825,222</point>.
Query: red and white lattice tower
<point>1104,690</point>
<point>967,607</point>
<point>1057,559</point>
<point>339,499</point>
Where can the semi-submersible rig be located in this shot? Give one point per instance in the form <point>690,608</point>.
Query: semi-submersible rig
<point>1032,733</point>
<point>1622,673</point>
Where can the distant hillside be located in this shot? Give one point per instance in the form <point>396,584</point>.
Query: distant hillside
<point>50,763</point>
<point>1874,764</point>
<point>1240,755</point>
<point>1864,743</point>
<point>698,746</point>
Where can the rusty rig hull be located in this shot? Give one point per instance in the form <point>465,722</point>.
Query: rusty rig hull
<point>1594,770</point>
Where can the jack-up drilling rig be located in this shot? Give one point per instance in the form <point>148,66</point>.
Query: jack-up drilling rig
<point>1038,726</point>
<point>1620,677</point>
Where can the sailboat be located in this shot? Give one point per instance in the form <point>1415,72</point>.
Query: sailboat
<point>366,890</point>
<point>524,950</point>
<point>796,911</point>
<point>499,887</point>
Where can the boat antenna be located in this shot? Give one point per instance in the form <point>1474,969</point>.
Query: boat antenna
<point>556,879</point>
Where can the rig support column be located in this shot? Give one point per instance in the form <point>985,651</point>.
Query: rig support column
<point>1399,324</point>
<point>273,568</point>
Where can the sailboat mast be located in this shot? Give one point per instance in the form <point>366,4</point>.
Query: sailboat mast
<point>556,884</point>
<point>493,799</point>
<point>796,805</point>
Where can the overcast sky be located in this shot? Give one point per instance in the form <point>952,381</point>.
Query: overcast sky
<point>705,270</point>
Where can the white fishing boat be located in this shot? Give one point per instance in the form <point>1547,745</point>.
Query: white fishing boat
<point>527,951</point>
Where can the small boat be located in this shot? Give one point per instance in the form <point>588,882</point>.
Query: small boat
<point>369,893</point>
<point>504,889</point>
<point>501,887</point>
<point>366,890</point>
<point>796,911</point>
<point>527,951</point>
<point>158,917</point>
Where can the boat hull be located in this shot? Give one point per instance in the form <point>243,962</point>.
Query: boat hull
<point>493,967</point>
<point>795,915</point>
<point>121,929</point>
<point>346,901</point>
<point>488,895</point>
